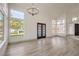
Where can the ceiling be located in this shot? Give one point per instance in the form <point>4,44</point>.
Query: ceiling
<point>51,9</point>
<point>66,5</point>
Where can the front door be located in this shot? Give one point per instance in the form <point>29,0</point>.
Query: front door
<point>41,30</point>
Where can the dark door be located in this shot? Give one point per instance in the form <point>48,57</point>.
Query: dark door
<point>77,29</point>
<point>41,30</point>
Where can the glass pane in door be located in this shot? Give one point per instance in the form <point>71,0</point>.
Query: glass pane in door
<point>39,30</point>
<point>43,30</point>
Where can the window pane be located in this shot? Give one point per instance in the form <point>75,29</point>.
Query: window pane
<point>60,21</point>
<point>17,14</point>
<point>16,23</point>
<point>1,26</point>
<point>53,21</point>
<point>58,26</point>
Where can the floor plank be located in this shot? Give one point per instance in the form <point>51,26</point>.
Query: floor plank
<point>55,46</point>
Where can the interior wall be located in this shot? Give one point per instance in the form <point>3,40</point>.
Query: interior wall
<point>30,22</point>
<point>47,12</point>
<point>74,12</point>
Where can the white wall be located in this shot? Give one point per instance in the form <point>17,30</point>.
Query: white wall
<point>74,12</point>
<point>3,45</point>
<point>47,12</point>
<point>30,22</point>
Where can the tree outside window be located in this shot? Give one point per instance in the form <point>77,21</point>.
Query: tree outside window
<point>16,23</point>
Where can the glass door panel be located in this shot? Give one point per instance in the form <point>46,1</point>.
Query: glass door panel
<point>43,30</point>
<point>39,30</point>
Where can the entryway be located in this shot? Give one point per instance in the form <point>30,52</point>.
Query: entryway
<point>41,30</point>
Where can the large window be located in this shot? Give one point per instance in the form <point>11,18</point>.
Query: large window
<point>1,26</point>
<point>54,27</point>
<point>16,23</point>
<point>58,26</point>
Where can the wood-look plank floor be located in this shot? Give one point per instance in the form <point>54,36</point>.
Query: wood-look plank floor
<point>55,46</point>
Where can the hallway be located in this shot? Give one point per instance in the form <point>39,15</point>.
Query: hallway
<point>55,46</point>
